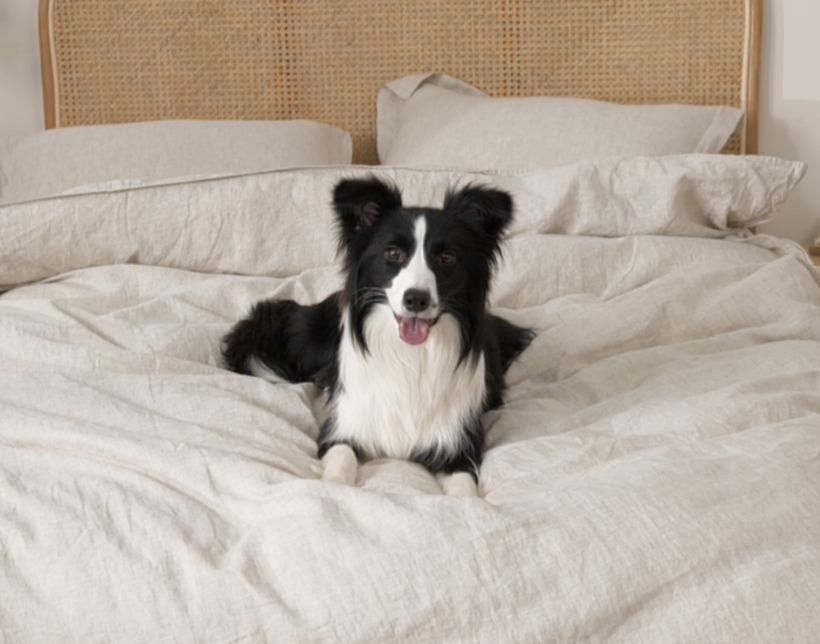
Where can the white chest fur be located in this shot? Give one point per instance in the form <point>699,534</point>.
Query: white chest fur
<point>399,398</point>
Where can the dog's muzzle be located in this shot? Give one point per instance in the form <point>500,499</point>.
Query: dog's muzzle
<point>414,325</point>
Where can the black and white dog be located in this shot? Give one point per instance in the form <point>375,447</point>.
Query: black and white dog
<point>407,352</point>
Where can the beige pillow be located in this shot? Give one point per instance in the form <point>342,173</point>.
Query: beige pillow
<point>280,223</point>
<point>434,120</point>
<point>48,163</point>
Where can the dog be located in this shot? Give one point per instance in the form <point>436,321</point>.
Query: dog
<point>407,352</point>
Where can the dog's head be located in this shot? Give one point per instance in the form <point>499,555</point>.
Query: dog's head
<point>421,262</point>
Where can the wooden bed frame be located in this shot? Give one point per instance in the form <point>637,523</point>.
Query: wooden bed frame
<point>110,61</point>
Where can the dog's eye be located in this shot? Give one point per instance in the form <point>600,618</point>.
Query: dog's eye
<point>395,255</point>
<point>446,258</point>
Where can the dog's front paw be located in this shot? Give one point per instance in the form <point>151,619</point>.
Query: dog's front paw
<point>458,484</point>
<point>340,465</point>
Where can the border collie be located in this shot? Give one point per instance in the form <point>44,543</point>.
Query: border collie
<point>407,352</point>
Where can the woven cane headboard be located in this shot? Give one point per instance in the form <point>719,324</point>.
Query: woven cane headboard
<point>108,61</point>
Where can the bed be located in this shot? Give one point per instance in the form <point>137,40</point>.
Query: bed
<point>654,475</point>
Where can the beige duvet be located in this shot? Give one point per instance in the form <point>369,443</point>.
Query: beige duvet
<point>654,476</point>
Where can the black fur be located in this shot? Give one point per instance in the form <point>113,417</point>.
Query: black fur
<point>300,343</point>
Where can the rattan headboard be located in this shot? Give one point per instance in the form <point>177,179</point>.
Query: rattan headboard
<point>108,61</point>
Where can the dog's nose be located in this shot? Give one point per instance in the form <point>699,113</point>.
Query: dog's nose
<point>416,300</point>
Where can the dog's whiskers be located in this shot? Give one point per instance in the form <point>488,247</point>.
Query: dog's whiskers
<point>368,295</point>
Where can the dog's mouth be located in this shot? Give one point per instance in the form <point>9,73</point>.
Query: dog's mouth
<point>414,330</point>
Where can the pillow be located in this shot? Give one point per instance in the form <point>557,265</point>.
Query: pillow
<point>228,224</point>
<point>48,163</point>
<point>436,120</point>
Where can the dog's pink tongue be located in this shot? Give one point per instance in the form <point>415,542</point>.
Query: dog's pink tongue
<point>414,330</point>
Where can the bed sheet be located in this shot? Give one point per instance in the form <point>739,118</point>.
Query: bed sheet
<point>653,477</point>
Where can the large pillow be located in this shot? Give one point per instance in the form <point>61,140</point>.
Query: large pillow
<point>279,223</point>
<point>434,120</point>
<point>48,163</point>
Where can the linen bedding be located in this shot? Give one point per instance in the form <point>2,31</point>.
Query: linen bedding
<point>435,120</point>
<point>653,477</point>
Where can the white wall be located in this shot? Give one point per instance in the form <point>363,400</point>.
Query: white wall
<point>790,107</point>
<point>790,96</point>
<point>21,102</point>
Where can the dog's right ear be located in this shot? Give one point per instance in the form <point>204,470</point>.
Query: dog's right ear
<point>360,202</point>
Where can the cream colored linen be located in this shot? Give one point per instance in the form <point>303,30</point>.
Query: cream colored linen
<point>436,120</point>
<point>280,223</point>
<point>47,163</point>
<point>653,477</point>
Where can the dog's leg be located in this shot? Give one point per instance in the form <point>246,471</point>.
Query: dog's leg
<point>458,484</point>
<point>340,464</point>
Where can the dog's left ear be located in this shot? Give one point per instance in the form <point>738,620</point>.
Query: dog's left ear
<point>359,203</point>
<point>491,208</point>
